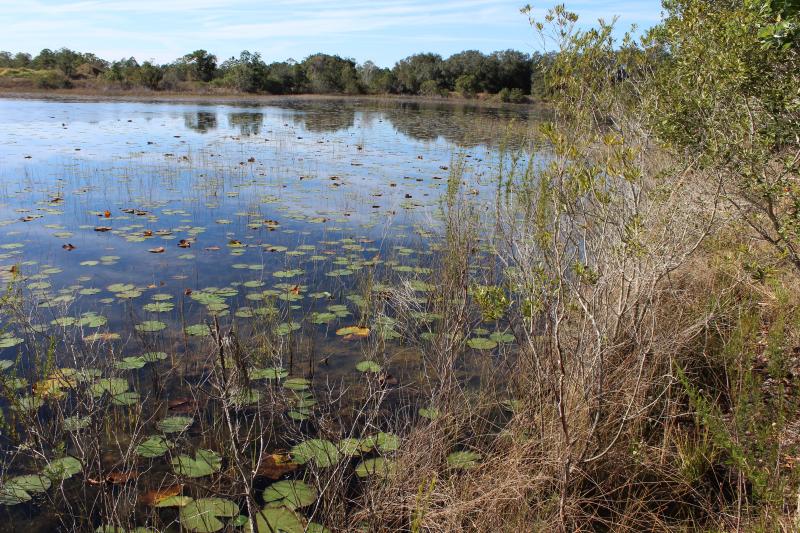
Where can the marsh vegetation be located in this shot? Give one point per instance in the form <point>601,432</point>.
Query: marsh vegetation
<point>338,316</point>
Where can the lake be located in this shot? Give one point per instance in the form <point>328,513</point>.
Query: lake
<point>139,240</point>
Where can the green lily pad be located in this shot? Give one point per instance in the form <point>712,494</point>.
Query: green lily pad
<point>205,463</point>
<point>278,520</point>
<point>202,515</point>
<point>15,495</point>
<point>150,326</point>
<point>322,452</point>
<point>291,493</point>
<point>268,373</point>
<point>430,413</point>
<point>76,423</point>
<point>481,343</point>
<point>368,366</point>
<point>112,386</point>
<point>378,466</point>
<point>297,384</point>
<point>198,330</point>
<point>154,446</point>
<point>463,460</point>
<point>500,337</point>
<point>31,484</point>
<point>175,424</point>
<point>63,468</point>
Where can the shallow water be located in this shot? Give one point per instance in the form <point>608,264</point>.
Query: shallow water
<point>280,208</point>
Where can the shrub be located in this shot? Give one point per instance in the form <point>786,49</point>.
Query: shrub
<point>51,79</point>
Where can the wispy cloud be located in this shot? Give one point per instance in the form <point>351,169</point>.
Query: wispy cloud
<point>381,30</point>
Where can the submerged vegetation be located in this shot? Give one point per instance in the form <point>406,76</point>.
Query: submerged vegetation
<point>589,323</point>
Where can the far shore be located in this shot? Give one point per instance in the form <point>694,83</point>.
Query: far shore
<point>93,95</point>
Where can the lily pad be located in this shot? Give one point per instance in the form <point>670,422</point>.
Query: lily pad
<point>205,463</point>
<point>203,515</point>
<point>481,343</point>
<point>154,446</point>
<point>175,424</point>
<point>276,519</point>
<point>368,366</point>
<point>378,466</point>
<point>291,493</point>
<point>322,452</point>
<point>463,460</point>
<point>63,468</point>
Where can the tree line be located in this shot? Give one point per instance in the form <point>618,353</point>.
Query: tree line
<point>510,74</point>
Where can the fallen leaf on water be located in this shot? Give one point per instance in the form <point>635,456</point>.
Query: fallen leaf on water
<point>116,477</point>
<point>154,497</point>
<point>275,465</point>
<point>354,331</point>
<point>159,250</point>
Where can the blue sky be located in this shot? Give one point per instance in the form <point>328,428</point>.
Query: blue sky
<point>383,31</point>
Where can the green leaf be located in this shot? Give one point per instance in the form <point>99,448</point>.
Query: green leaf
<point>31,484</point>
<point>205,463</point>
<point>463,460</point>
<point>13,495</point>
<point>323,453</point>
<point>368,366</point>
<point>292,494</point>
<point>481,343</point>
<point>63,468</point>
<point>276,520</point>
<point>379,467</point>
<point>202,515</point>
<point>154,446</point>
<point>175,424</point>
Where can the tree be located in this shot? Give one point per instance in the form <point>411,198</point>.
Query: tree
<point>245,73</point>
<point>331,74</point>
<point>413,71</point>
<point>149,75</point>
<point>202,65</point>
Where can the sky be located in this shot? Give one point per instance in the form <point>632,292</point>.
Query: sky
<point>383,31</point>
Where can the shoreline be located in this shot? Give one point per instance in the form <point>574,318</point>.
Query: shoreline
<point>83,95</point>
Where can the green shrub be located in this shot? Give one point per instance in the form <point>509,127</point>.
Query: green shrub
<point>51,79</point>
<point>512,96</point>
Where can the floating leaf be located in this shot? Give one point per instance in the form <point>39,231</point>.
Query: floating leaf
<point>430,413</point>
<point>159,496</point>
<point>322,452</point>
<point>368,366</point>
<point>15,495</point>
<point>202,516</point>
<point>481,343</point>
<point>154,446</point>
<point>463,460</point>
<point>63,468</point>
<point>355,331</point>
<point>150,326</point>
<point>292,494</point>
<point>278,520</point>
<point>175,424</point>
<point>198,330</point>
<point>76,423</point>
<point>297,383</point>
<point>31,484</point>
<point>275,465</point>
<point>379,467</point>
<point>268,373</point>
<point>205,463</point>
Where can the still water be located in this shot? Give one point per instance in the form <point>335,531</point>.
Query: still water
<point>137,228</point>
